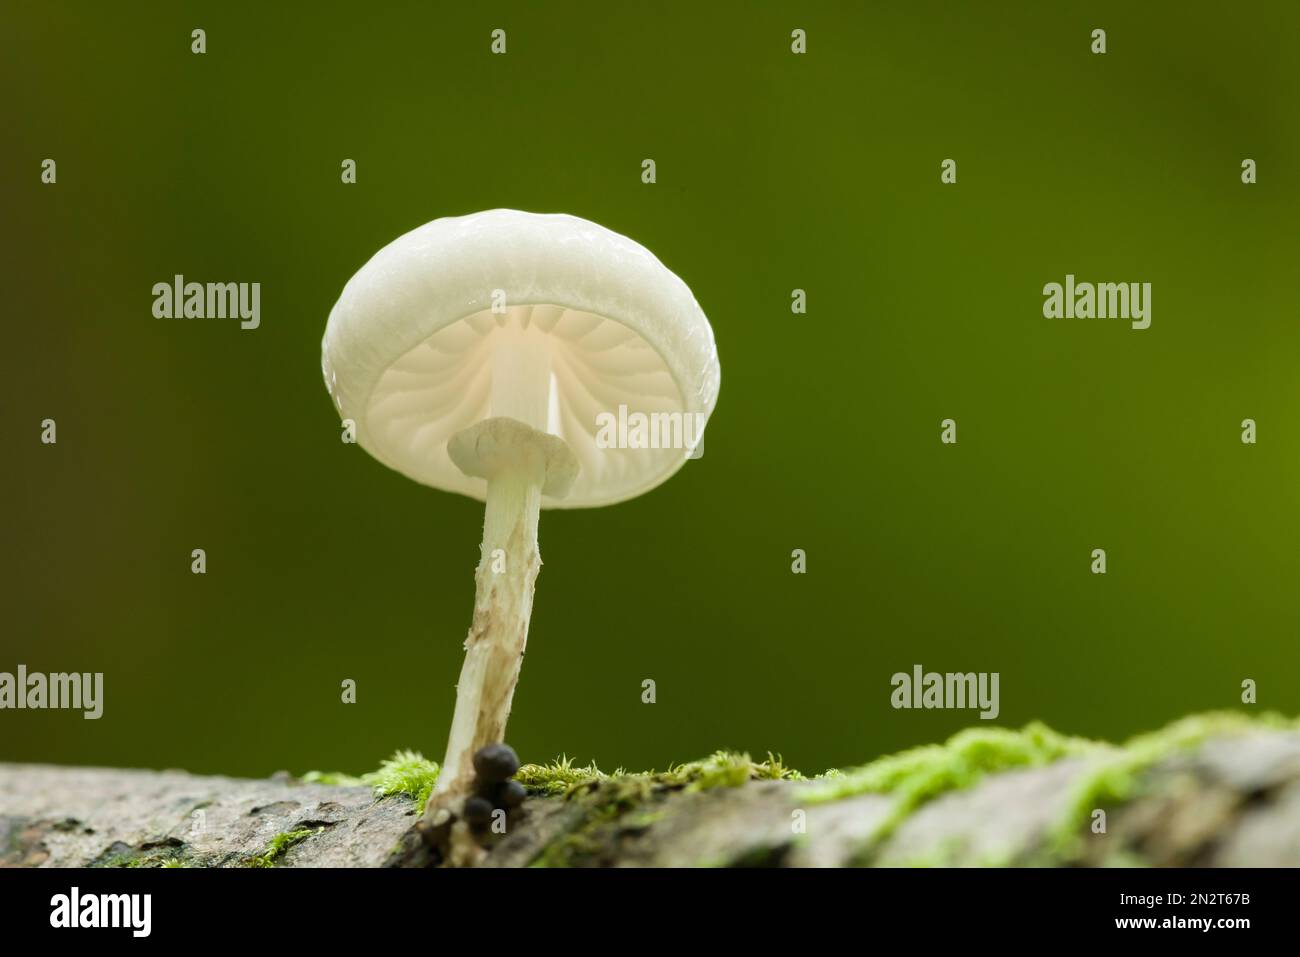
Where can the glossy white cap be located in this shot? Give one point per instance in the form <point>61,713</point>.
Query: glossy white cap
<point>413,344</point>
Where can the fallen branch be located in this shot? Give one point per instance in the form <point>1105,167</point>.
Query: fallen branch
<point>1231,799</point>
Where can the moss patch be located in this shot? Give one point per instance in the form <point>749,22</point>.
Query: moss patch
<point>604,802</point>
<point>277,845</point>
<point>720,769</point>
<point>1115,778</point>
<point>558,776</point>
<point>731,769</point>
<point>406,772</point>
<point>921,774</point>
<point>165,853</point>
<point>623,806</point>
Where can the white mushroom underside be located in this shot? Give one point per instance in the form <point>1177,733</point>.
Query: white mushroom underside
<point>597,365</point>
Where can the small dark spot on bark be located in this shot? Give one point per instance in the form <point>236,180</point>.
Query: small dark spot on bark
<point>312,825</point>
<point>278,807</point>
<point>155,843</point>
<point>763,856</point>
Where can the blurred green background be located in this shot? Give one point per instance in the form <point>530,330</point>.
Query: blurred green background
<point>775,171</point>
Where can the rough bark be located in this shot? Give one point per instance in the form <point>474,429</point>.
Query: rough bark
<point>1232,801</point>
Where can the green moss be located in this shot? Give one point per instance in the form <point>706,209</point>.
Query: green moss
<point>568,850</point>
<point>606,802</point>
<point>1115,776</point>
<point>909,778</point>
<point>167,853</point>
<point>961,760</point>
<point>1124,859</point>
<point>409,772</point>
<point>332,778</point>
<point>720,769</point>
<point>276,847</point>
<point>921,774</point>
<point>730,769</point>
<point>406,772</point>
<point>622,805</point>
<point>557,777</point>
<point>640,822</point>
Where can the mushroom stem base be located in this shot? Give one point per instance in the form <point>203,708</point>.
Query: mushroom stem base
<point>503,604</point>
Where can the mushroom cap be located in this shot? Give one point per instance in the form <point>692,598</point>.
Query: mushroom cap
<point>408,349</point>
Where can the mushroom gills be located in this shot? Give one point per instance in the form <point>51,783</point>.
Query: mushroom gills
<point>594,366</point>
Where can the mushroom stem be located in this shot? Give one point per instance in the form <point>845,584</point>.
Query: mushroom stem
<point>521,377</point>
<point>521,462</point>
<point>503,604</point>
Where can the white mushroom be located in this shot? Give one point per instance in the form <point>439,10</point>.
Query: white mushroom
<point>477,354</point>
